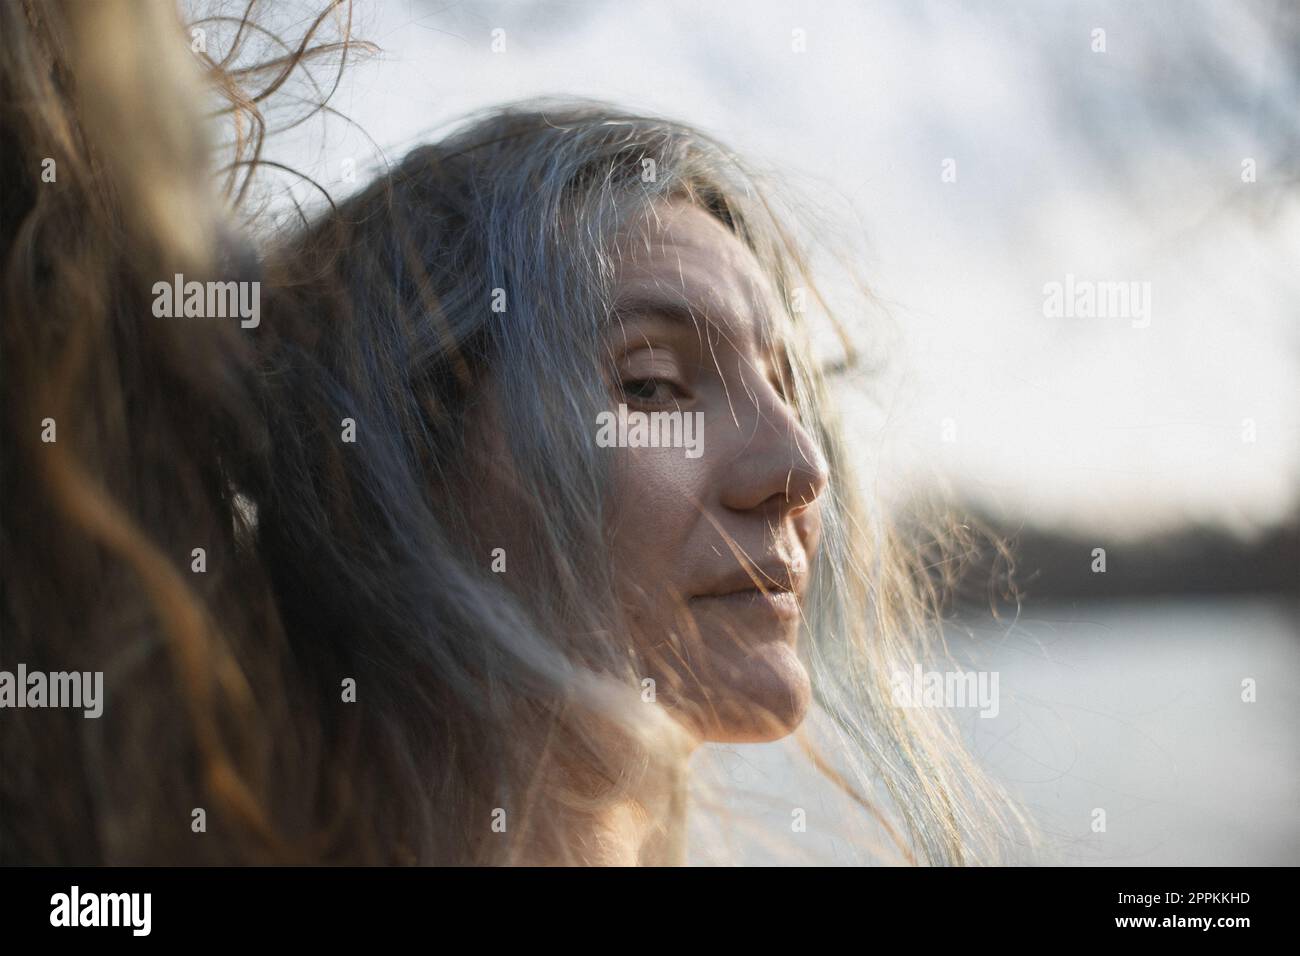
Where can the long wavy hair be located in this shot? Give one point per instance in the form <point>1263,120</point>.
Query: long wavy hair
<point>124,438</point>
<point>348,680</point>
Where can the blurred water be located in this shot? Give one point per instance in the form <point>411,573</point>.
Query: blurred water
<point>1132,708</point>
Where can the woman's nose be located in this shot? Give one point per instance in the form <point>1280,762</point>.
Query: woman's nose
<point>778,466</point>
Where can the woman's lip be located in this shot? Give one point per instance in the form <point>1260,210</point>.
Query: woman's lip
<point>782,604</point>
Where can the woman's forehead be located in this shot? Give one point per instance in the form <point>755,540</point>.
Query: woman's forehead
<point>678,261</point>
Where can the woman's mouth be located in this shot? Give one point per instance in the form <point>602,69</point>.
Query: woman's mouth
<point>775,602</point>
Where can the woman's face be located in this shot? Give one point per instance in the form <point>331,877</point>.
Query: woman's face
<point>701,530</point>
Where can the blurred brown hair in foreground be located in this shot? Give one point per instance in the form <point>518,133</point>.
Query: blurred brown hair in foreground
<point>122,439</point>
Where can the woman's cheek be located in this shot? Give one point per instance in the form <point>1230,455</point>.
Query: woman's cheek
<point>657,491</point>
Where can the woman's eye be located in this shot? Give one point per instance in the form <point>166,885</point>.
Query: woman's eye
<point>651,390</point>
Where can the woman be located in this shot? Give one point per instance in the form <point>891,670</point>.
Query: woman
<point>384,591</point>
<point>539,629</point>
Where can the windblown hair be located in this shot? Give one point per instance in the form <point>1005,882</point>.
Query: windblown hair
<point>124,437</point>
<point>360,565</point>
<point>520,695</point>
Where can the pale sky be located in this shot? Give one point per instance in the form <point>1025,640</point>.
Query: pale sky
<point>1123,165</point>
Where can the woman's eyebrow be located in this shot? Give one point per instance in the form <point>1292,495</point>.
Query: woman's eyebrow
<point>676,307</point>
<point>664,305</point>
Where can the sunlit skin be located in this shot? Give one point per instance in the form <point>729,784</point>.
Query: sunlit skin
<point>697,540</point>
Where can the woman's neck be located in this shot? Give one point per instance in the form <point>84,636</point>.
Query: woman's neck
<point>657,841</point>
<point>645,829</point>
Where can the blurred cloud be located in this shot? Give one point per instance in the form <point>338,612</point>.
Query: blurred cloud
<point>1122,165</point>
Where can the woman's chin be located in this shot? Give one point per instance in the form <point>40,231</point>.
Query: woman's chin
<point>761,698</point>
